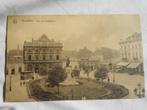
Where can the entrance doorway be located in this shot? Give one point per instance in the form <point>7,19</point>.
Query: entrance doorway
<point>36,68</point>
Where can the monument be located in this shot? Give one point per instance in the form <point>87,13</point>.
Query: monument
<point>69,80</point>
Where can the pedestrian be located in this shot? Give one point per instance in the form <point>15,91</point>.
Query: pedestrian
<point>108,80</point>
<point>23,83</point>
<point>83,98</point>
<point>20,83</point>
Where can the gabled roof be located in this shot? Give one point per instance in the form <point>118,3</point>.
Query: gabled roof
<point>43,38</point>
<point>43,41</point>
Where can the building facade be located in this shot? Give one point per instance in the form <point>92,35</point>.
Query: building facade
<point>41,54</point>
<point>131,48</point>
<point>132,51</point>
<point>14,63</point>
<point>89,63</point>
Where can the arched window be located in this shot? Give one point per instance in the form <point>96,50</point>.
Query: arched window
<point>57,57</point>
<point>19,69</point>
<point>36,50</point>
<point>29,57</point>
<point>44,57</point>
<point>13,71</point>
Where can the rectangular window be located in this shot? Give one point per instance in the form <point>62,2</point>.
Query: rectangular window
<point>44,57</point>
<point>57,57</point>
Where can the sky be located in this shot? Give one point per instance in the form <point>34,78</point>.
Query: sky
<point>74,31</point>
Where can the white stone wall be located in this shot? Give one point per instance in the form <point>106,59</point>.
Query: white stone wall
<point>132,49</point>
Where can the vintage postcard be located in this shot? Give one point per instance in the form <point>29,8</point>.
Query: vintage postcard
<point>73,57</point>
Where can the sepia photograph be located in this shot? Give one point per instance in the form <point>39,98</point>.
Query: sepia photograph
<point>73,57</point>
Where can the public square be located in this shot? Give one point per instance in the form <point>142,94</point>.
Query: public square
<point>129,81</point>
<point>93,57</point>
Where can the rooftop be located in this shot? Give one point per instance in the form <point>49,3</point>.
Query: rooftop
<point>43,41</point>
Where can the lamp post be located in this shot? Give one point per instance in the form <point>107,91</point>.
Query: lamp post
<point>72,94</point>
<point>113,75</point>
<point>139,91</point>
<point>10,88</point>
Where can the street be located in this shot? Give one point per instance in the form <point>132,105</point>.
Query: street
<point>17,93</point>
<point>20,93</point>
<point>129,81</point>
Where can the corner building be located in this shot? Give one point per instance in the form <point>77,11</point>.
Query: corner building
<point>132,52</point>
<point>41,55</point>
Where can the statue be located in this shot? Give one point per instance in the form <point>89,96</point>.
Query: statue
<point>69,79</point>
<point>67,62</point>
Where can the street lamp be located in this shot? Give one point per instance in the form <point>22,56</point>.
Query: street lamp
<point>113,73</point>
<point>139,91</point>
<point>10,88</point>
<point>72,93</point>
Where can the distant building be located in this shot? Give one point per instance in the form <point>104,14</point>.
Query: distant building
<point>73,62</point>
<point>14,63</point>
<point>42,54</point>
<point>132,52</point>
<point>91,63</point>
<point>131,48</point>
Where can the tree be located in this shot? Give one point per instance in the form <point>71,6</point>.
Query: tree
<point>107,53</point>
<point>56,75</point>
<point>75,72</point>
<point>43,70</point>
<point>87,70</point>
<point>101,74</point>
<point>84,53</point>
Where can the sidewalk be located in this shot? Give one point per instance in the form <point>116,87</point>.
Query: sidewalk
<point>17,93</point>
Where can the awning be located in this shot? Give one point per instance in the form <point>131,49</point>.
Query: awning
<point>123,64</point>
<point>133,65</point>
